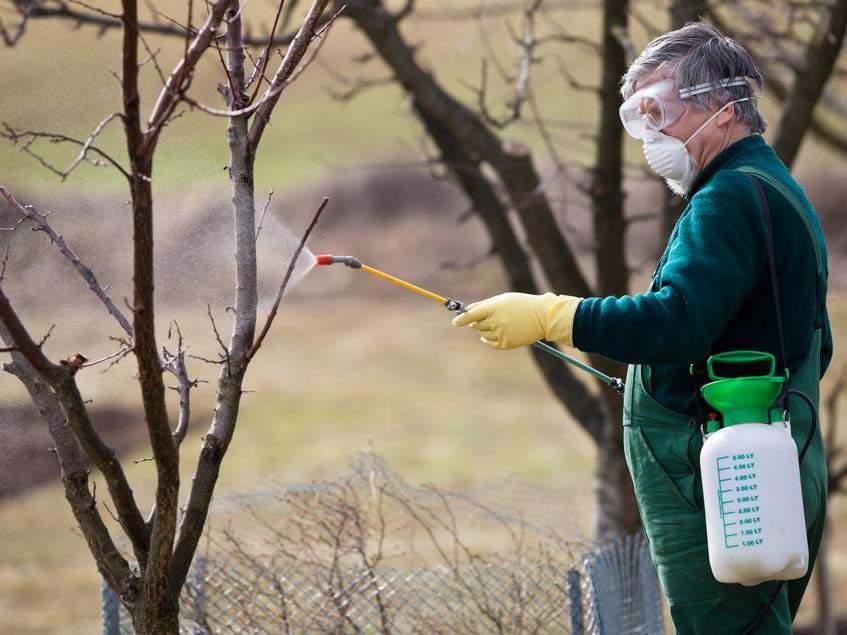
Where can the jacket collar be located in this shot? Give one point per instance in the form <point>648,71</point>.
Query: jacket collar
<point>731,154</point>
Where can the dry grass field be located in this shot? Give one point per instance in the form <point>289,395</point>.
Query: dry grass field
<point>351,365</point>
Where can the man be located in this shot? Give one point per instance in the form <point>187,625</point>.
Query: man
<point>690,97</point>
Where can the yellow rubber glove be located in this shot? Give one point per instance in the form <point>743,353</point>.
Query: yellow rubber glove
<point>510,320</point>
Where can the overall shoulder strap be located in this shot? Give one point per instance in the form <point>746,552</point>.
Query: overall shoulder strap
<point>766,214</point>
<point>798,207</point>
<point>795,203</point>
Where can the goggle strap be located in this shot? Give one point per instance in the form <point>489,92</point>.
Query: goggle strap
<point>705,87</point>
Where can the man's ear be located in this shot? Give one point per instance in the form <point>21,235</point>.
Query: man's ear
<point>725,116</point>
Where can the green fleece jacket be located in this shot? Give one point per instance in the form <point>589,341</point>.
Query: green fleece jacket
<point>711,291</point>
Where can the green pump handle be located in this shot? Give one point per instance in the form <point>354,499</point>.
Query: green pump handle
<point>739,357</point>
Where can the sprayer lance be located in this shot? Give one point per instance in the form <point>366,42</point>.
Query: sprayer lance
<point>354,263</point>
<point>459,307</point>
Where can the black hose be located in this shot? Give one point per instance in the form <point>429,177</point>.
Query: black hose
<point>811,435</point>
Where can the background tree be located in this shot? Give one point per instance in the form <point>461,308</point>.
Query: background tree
<point>505,186</point>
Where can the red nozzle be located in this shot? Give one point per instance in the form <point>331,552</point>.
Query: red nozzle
<point>325,260</point>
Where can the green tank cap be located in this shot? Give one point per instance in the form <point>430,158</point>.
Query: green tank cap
<point>741,399</point>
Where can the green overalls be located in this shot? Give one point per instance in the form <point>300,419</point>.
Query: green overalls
<point>662,451</point>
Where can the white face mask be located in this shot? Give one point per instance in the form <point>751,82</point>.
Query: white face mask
<point>668,156</point>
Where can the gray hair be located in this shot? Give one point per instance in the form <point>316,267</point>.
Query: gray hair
<point>699,53</point>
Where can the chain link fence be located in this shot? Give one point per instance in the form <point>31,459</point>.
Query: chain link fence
<point>370,553</point>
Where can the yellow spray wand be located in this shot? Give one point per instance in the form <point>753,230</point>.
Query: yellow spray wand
<point>459,307</point>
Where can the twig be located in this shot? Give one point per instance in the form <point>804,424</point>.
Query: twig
<point>103,22</point>
<point>257,64</point>
<point>89,141</point>
<point>94,9</point>
<point>572,81</point>
<point>10,39</point>
<point>313,55</point>
<point>299,45</point>
<point>118,354</point>
<point>25,139</point>
<point>263,60</point>
<point>46,336</point>
<point>286,74</point>
<point>286,279</point>
<point>179,80</point>
<point>261,218</point>
<point>176,365</point>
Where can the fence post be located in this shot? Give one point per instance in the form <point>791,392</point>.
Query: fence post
<point>110,607</point>
<point>574,584</point>
<point>624,595</point>
<point>198,587</point>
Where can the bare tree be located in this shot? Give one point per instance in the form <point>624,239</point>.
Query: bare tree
<point>163,544</point>
<point>801,70</point>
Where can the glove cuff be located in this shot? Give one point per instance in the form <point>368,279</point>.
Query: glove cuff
<point>560,314</point>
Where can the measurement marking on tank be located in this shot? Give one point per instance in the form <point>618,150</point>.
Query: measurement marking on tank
<point>737,482</point>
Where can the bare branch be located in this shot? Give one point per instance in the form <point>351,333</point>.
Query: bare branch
<point>286,279</point>
<point>305,34</point>
<point>111,564</point>
<point>86,146</point>
<point>322,36</point>
<point>175,364</point>
<point>23,342</point>
<point>41,224</point>
<point>10,38</point>
<point>495,10</point>
<point>117,356</point>
<point>572,81</point>
<point>225,356</point>
<point>263,60</point>
<point>257,65</point>
<point>24,139</point>
<point>261,217</point>
<point>273,91</point>
<point>60,10</point>
<point>61,380</point>
<point>179,80</point>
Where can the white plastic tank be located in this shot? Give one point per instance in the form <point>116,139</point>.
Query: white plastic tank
<point>754,504</point>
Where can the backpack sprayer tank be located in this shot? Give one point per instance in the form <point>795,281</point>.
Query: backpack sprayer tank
<point>753,501</point>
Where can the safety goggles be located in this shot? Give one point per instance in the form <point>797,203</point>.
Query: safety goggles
<point>659,105</point>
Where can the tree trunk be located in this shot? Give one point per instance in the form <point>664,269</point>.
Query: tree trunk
<point>148,619</point>
<point>819,62</point>
<point>682,12</point>
<point>466,143</point>
<point>617,511</point>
